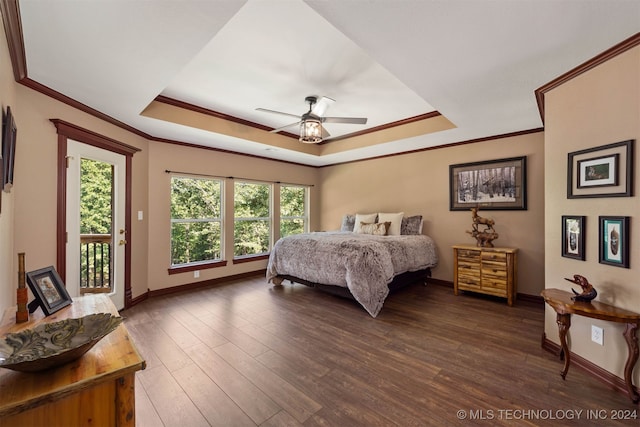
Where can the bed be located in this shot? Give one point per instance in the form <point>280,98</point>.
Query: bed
<point>363,266</point>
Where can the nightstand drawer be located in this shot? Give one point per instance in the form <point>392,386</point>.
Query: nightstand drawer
<point>494,257</point>
<point>494,283</point>
<point>468,266</point>
<point>469,255</point>
<point>469,280</point>
<point>494,270</point>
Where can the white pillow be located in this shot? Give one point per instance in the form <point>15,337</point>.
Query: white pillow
<point>396,222</point>
<point>363,218</point>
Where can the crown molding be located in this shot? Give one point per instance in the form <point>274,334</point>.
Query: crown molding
<point>605,56</point>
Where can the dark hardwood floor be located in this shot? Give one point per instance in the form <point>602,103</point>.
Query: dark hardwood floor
<point>249,354</point>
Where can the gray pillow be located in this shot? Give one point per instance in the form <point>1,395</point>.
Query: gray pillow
<point>411,225</point>
<point>348,223</point>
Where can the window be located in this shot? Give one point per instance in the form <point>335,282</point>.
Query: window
<point>293,210</point>
<point>252,219</point>
<point>196,220</point>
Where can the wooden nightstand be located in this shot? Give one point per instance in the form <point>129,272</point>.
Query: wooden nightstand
<point>491,271</point>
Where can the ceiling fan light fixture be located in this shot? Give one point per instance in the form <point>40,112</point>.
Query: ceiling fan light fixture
<point>310,131</point>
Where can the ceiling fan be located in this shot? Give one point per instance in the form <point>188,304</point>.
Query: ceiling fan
<point>311,129</point>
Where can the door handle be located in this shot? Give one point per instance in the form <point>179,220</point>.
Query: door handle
<point>123,231</point>
<point>122,242</point>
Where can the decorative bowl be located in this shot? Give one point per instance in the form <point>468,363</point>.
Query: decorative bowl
<point>49,345</point>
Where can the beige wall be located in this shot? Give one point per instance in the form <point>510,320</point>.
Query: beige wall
<point>599,107</point>
<point>178,158</point>
<point>8,257</point>
<point>418,183</point>
<point>28,218</point>
<point>36,180</point>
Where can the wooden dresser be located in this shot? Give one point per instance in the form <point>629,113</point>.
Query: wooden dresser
<point>491,271</point>
<point>96,389</point>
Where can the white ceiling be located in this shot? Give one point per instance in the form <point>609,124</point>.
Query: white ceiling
<point>477,62</point>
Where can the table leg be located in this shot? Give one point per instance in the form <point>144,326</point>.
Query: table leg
<point>632,343</point>
<point>564,323</point>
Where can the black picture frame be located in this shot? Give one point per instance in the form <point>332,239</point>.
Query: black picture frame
<point>504,186</point>
<point>48,289</point>
<point>9,135</point>
<point>614,240</point>
<point>573,236</point>
<point>615,177</point>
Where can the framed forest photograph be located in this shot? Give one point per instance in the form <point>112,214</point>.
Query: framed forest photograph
<point>490,185</point>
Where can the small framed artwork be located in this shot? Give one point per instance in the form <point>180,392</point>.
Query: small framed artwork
<point>9,132</point>
<point>48,290</point>
<point>598,172</point>
<point>490,185</point>
<point>614,240</point>
<point>573,232</point>
<point>604,171</point>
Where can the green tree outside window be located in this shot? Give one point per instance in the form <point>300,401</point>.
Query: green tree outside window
<point>196,220</point>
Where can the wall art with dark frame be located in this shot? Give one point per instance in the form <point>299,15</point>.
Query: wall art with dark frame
<point>48,289</point>
<point>9,133</point>
<point>573,232</point>
<point>614,240</point>
<point>490,185</point>
<point>604,171</point>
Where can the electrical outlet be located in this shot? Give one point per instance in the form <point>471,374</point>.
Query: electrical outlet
<point>597,335</point>
<point>196,274</point>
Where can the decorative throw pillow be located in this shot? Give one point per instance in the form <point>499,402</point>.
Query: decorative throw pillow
<point>348,223</point>
<point>378,228</point>
<point>411,225</point>
<point>395,219</point>
<point>368,218</point>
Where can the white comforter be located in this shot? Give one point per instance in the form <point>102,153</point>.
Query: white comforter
<point>363,263</point>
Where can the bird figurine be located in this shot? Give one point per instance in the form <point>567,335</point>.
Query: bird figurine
<point>588,291</point>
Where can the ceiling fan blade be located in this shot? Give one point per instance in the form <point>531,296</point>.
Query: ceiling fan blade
<point>277,112</point>
<point>320,107</point>
<point>284,127</point>
<point>325,133</point>
<point>351,120</point>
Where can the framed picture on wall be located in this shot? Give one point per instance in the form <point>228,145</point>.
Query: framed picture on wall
<point>490,185</point>
<point>9,132</point>
<point>604,171</point>
<point>614,240</point>
<point>573,232</point>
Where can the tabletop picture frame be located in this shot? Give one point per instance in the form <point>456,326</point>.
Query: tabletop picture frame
<point>614,240</point>
<point>499,184</point>
<point>573,232</point>
<point>48,289</point>
<point>603,171</point>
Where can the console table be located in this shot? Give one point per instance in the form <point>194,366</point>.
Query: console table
<point>96,389</point>
<point>564,306</point>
